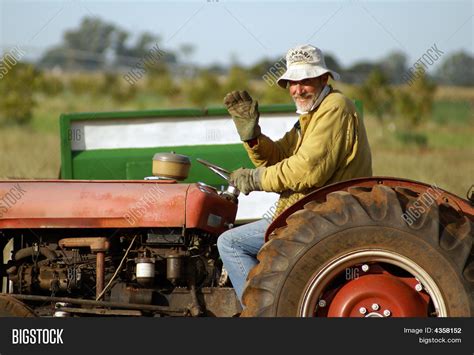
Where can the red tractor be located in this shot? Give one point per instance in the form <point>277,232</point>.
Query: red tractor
<point>370,247</point>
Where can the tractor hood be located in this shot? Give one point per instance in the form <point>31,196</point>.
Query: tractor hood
<point>111,204</point>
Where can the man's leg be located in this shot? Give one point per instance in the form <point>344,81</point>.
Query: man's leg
<point>238,248</point>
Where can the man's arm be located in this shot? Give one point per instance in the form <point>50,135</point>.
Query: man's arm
<point>263,151</point>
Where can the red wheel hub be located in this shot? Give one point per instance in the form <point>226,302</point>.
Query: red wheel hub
<point>373,294</point>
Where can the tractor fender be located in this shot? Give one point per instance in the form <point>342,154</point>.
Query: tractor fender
<point>439,195</point>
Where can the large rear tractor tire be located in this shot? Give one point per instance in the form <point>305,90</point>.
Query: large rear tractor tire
<point>358,255</point>
<point>11,307</point>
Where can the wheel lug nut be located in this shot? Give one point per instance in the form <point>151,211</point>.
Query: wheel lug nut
<point>322,303</point>
<point>418,287</point>
<point>375,306</point>
<point>387,313</point>
<point>365,268</point>
<point>362,310</point>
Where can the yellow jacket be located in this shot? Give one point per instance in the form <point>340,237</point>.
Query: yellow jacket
<point>326,145</point>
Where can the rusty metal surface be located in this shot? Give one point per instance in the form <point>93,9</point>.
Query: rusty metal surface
<point>49,277</point>
<point>102,312</point>
<point>96,244</point>
<point>221,302</point>
<point>218,301</point>
<point>122,293</point>
<point>208,211</point>
<point>94,204</point>
<point>458,203</point>
<point>159,309</point>
<point>100,273</point>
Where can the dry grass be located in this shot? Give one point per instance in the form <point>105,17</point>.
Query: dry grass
<point>28,154</point>
<point>442,93</point>
<point>448,169</point>
<point>455,93</point>
<point>446,161</point>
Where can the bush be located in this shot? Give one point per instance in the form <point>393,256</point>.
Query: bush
<point>406,109</point>
<point>85,84</point>
<point>118,88</point>
<point>16,90</point>
<point>275,95</point>
<point>50,85</point>
<point>410,138</point>
<point>203,90</point>
<point>162,84</point>
<point>237,79</point>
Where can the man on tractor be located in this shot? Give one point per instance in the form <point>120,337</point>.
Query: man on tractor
<point>327,144</point>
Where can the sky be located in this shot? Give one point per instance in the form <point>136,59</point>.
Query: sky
<point>248,31</point>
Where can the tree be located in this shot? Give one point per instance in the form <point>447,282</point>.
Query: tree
<point>146,48</point>
<point>424,90</point>
<point>415,104</point>
<point>359,72</point>
<point>217,69</point>
<point>93,35</point>
<point>332,63</point>
<point>187,51</point>
<point>457,69</point>
<point>88,46</point>
<point>376,94</point>
<point>84,47</point>
<point>262,67</point>
<point>394,66</point>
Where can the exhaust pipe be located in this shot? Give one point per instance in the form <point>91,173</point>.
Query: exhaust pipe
<point>97,245</point>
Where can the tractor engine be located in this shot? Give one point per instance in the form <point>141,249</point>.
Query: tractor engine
<point>146,268</point>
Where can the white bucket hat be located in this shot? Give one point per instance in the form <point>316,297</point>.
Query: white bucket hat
<point>304,62</point>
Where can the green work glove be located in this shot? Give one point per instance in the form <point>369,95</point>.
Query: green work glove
<point>247,180</point>
<point>244,112</point>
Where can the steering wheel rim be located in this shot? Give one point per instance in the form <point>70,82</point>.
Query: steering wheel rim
<point>223,173</point>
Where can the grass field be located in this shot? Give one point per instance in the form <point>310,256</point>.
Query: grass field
<point>445,159</point>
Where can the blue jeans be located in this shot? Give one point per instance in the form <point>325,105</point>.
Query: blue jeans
<point>238,248</point>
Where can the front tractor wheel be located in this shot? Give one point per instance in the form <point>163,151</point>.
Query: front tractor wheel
<point>355,256</point>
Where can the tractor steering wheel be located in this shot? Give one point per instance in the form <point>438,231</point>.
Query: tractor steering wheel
<point>223,173</point>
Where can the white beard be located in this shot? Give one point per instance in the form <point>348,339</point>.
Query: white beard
<point>312,102</point>
<point>304,106</point>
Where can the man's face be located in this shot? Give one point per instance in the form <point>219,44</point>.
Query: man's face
<point>304,92</point>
